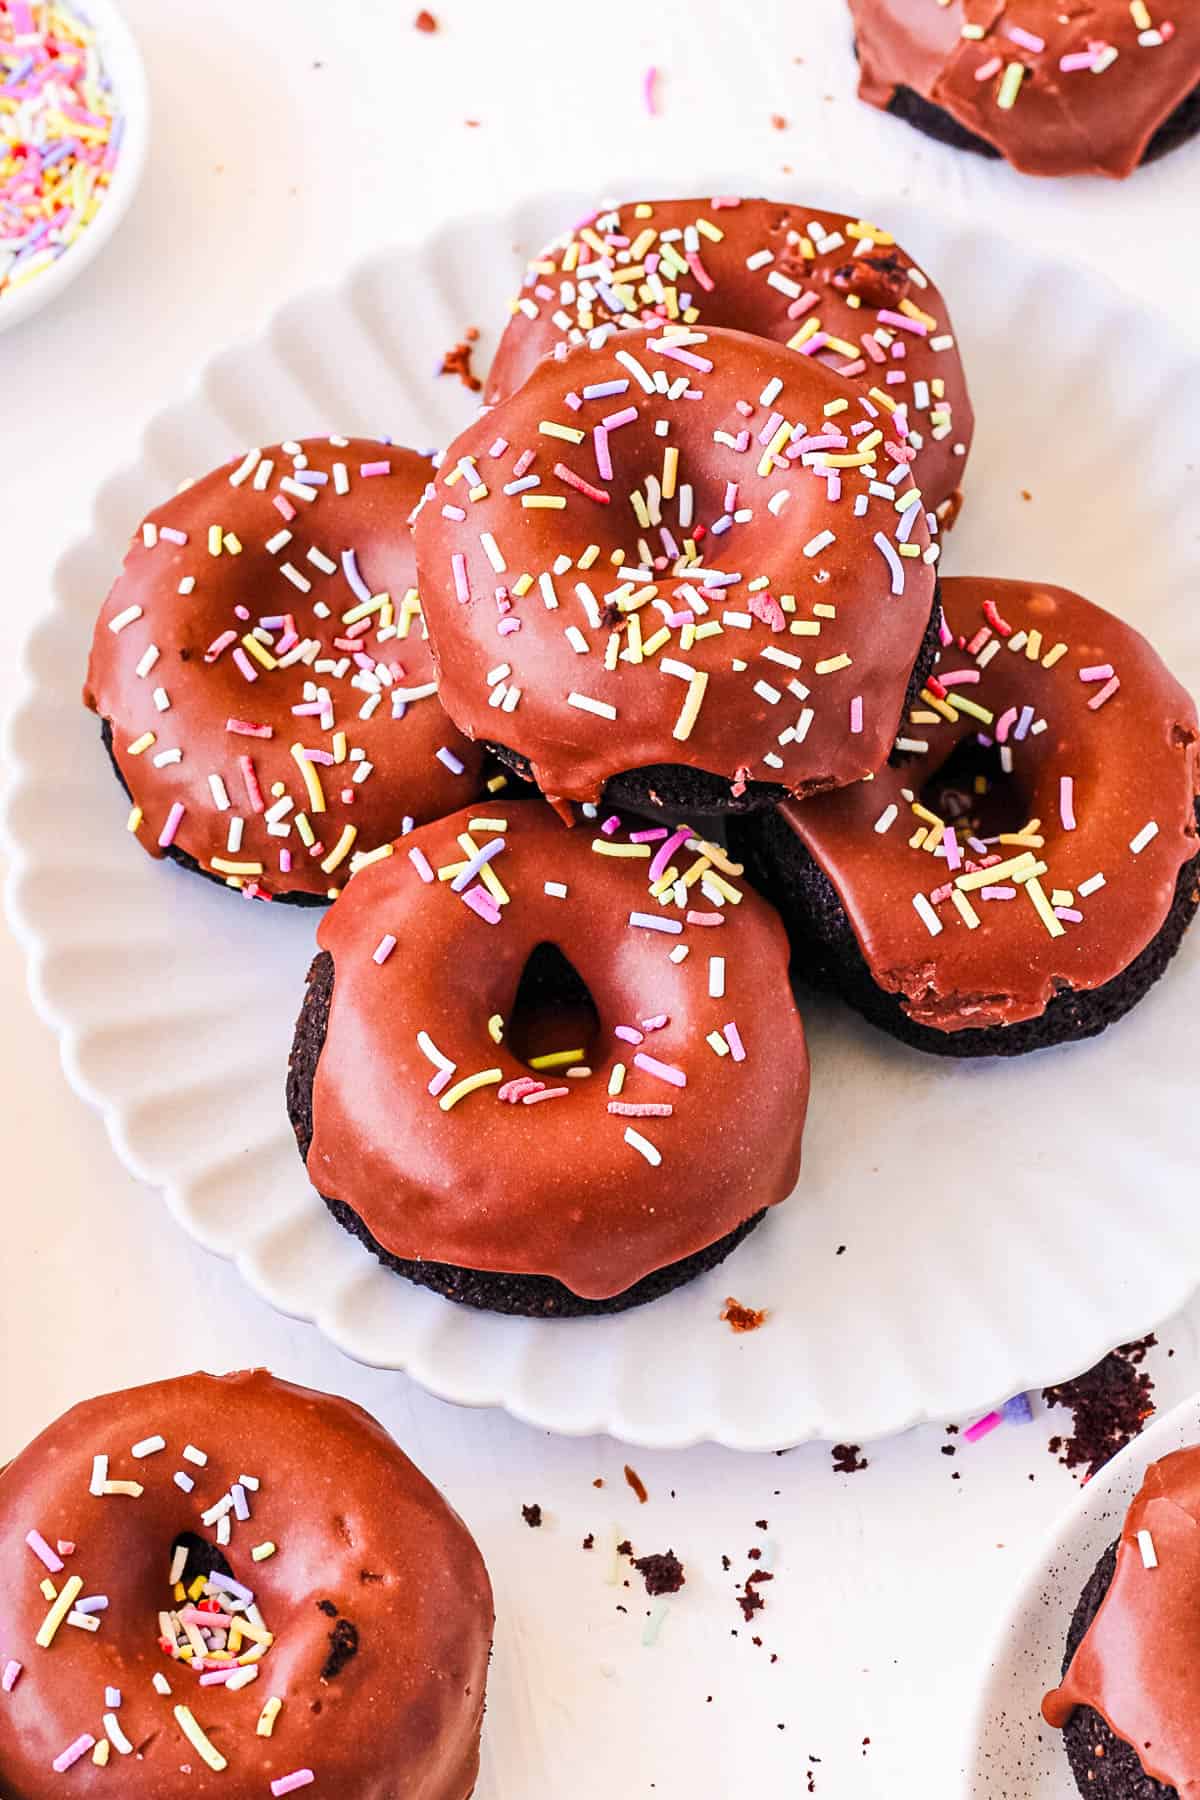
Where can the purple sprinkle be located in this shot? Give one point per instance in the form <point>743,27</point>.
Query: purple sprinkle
<point>481,902</point>
<point>112,1699</point>
<point>92,1603</point>
<point>420,863</point>
<point>43,1552</point>
<point>355,582</point>
<point>1018,1411</point>
<point>241,1508</point>
<point>488,854</point>
<point>449,760</point>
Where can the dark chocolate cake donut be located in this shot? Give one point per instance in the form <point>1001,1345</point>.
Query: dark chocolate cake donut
<point>549,1071</point>
<point>233,1586</point>
<point>685,549</point>
<point>1057,90</point>
<point>1127,1703</point>
<point>262,675</point>
<point>1027,870</point>
<point>826,284</point>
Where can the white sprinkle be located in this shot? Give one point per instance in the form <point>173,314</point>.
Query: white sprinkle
<point>295,577</point>
<point>1090,886</point>
<point>586,704</point>
<point>500,673</point>
<point>1146,1546</point>
<point>115,1735</point>
<point>716,977</point>
<point>161,1684</point>
<point>783,656</point>
<point>217,1510</point>
<point>162,700</point>
<point>148,1446</point>
<point>771,392</point>
<point>245,468</point>
<point>649,922</point>
<point>1145,836</point>
<point>99,1474</point>
<point>643,1146</point>
<point>926,914</point>
<point>319,560</point>
<point>166,757</point>
<point>147,660</point>
<point>219,793</point>
<point>759,260</point>
<point>341,480</point>
<point>491,550</point>
<point>187,585</point>
<point>183,1480</point>
<point>263,473</point>
<point>125,618</point>
<point>557,890</point>
<point>192,1455</point>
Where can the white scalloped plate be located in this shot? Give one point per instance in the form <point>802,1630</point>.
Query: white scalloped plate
<point>1004,1224</point>
<point>1012,1752</point>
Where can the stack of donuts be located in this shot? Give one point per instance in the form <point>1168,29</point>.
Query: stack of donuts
<point>654,683</point>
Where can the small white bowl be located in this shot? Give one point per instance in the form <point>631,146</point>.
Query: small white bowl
<point>123,63</point>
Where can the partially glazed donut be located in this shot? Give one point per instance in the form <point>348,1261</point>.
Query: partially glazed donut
<point>684,549</point>
<point>828,285</point>
<point>1028,870</point>
<point>261,669</point>
<point>1057,90</point>
<point>485,1155</point>
<point>233,1586</point>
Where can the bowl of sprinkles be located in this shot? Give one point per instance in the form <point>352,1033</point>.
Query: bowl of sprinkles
<point>74,119</point>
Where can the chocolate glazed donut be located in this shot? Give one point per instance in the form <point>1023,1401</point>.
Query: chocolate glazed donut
<point>261,672</point>
<point>827,285</point>
<point>561,1079</point>
<point>694,549</point>
<point>1028,870</point>
<point>1061,91</point>
<point>233,1586</point>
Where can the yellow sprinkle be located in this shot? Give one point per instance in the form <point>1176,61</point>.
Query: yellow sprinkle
<point>603,847</point>
<point>268,1716</point>
<point>805,628</point>
<point>497,784</point>
<point>670,471</point>
<point>962,704</point>
<point>913,496</point>
<point>133,822</point>
<point>312,781</point>
<point>232,543</point>
<point>810,328</point>
<point>143,743</point>
<point>364,609</point>
<point>827,461</point>
<point>259,652</point>
<point>410,609</point>
<point>215,539</point>
<point>307,834</point>
<point>731,894</point>
<point>829,665</point>
<point>966,910</point>
<point>589,556</point>
<point>470,1085</point>
<point>496,1027</point>
<point>544,501</point>
<point>261,1552</point>
<point>710,231</point>
<point>363,858</point>
<point>717,856</point>
<point>616,1079</point>
<point>639,506</point>
<point>567,433</point>
<point>195,1736</point>
<point>1053,656</point>
<point>49,1591</point>
<point>767,459</point>
<point>1045,911</point>
<point>885,400</point>
<point>910,550</point>
<point>340,850</point>
<point>487,824</point>
<point>556,1059</point>
<point>58,1612</point>
<point>690,711</point>
<point>196,1590</point>
<point>940,707</point>
<point>223,867</point>
<point>912,311</point>
<point>717,1043</point>
<point>100,1754</point>
<point>1006,99</point>
<point>1033,645</point>
<point>1015,867</point>
<point>652,645</point>
<point>339,746</point>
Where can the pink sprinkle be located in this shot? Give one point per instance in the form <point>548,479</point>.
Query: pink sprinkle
<point>625,417</point>
<point>628,1034</point>
<point>244,664</point>
<point>958,677</point>
<point>384,948</point>
<point>981,1427</point>
<point>580,485</point>
<point>611,824</point>
<point>572,400</point>
<point>903,322</point>
<point>1077,60</point>
<point>664,1071</point>
<point>1097,672</point>
<point>287,1784</point>
<point>1069,913</point>
<point>166,836</point>
<point>1106,693</point>
<point>243,728</point>
<point>804,304</point>
<point>998,893</point>
<point>991,67</point>
<point>72,1753</point>
<point>458,564</point>
<point>420,863</point>
<point>856,713</point>
<point>1004,724</point>
<point>1028,40</point>
<point>65,1547</point>
<point>283,505</point>
<point>544,1094</point>
<point>218,644</point>
<point>506,627</point>
<point>652,835</point>
<point>375,468</point>
<point>649,91</point>
<point>699,918</point>
<point>11,1676</point>
<point>499,447</point>
<point>733,1038</point>
<point>216,1677</point>
<point>656,1023</point>
<point>604,466</point>
<point>523,462</point>
<point>872,349</point>
<point>1066,802</point>
<point>43,1552</point>
<point>953,853</point>
<point>285,861</point>
<point>660,861</point>
<point>648,1109</point>
<point>685,356</point>
<point>481,902</point>
<point>515,1090</point>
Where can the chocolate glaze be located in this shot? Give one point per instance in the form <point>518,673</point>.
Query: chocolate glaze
<point>1136,1665</point>
<point>1133,760</point>
<point>553,1188</point>
<point>362,1541</point>
<point>1062,122</point>
<point>206,690</point>
<point>772,710</point>
<point>813,270</point>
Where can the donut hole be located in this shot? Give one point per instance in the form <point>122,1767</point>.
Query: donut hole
<point>203,1558</point>
<point>552,1013</point>
<point>973,791</point>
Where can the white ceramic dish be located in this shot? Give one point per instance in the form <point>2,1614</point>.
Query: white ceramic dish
<point>123,62</point>
<point>1003,1224</point>
<point>1012,1752</point>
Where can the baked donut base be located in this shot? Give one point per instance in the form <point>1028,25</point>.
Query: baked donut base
<point>488,1290</point>
<point>1105,1767</point>
<point>678,791</point>
<point>826,950</point>
<point>935,122</point>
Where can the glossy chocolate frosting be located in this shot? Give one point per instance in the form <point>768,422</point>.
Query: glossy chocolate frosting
<point>837,287</point>
<point>1068,693</point>
<point>200,721</point>
<point>1097,79</point>
<point>1136,1665</point>
<point>701,1058</point>
<point>375,1598</point>
<point>776,582</point>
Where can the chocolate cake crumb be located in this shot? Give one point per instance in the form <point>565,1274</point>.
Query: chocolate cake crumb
<point>761,1525</point>
<point>1109,1406</point>
<point>532,1515</point>
<point>742,1318</point>
<point>848,1459</point>
<point>457,360</point>
<point>625,1548</point>
<point>750,1600</point>
<point>589,1542</point>
<point>599,1481</point>
<point>637,1484</point>
<point>948,1449</point>
<point>662,1573</point>
<point>328,1608</point>
<point>425,21</point>
<point>778,121</point>
<point>343,1644</point>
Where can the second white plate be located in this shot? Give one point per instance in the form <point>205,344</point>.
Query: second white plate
<point>1003,1225</point>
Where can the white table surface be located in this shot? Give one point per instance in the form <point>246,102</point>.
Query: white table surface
<point>290,137</point>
